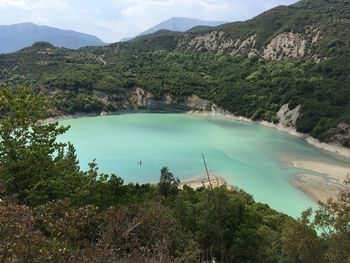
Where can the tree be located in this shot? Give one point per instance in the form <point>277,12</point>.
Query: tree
<point>300,242</point>
<point>34,166</point>
<point>333,220</point>
<point>168,184</point>
<point>22,241</point>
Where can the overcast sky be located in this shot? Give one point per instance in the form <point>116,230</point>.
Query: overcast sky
<point>112,20</point>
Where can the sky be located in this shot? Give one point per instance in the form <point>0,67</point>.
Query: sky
<point>112,20</point>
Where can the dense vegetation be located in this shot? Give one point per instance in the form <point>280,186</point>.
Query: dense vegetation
<point>330,17</point>
<point>51,211</point>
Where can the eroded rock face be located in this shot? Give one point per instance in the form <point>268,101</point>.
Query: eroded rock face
<point>197,103</point>
<point>247,46</point>
<point>287,117</point>
<point>338,135</point>
<point>142,98</point>
<point>219,42</point>
<point>213,41</point>
<point>285,45</point>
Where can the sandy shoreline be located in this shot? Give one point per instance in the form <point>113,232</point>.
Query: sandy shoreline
<point>327,184</point>
<point>199,181</point>
<point>333,148</point>
<point>337,173</point>
<point>318,187</point>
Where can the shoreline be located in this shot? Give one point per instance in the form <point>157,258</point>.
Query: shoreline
<point>319,188</point>
<point>202,180</point>
<point>328,182</point>
<point>112,113</point>
<point>332,148</point>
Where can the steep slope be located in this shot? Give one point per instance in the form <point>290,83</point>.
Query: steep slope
<point>18,36</point>
<point>311,28</point>
<point>180,24</point>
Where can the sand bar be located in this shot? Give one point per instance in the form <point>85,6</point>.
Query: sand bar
<point>318,188</point>
<point>324,186</point>
<point>333,172</point>
<point>199,181</point>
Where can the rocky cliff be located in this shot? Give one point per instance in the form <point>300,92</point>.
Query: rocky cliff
<point>308,29</point>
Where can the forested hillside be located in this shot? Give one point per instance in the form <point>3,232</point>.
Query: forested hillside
<point>316,29</point>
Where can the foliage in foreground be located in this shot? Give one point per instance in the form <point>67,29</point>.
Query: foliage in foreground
<point>50,211</point>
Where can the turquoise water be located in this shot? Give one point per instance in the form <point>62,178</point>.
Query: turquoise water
<point>254,158</point>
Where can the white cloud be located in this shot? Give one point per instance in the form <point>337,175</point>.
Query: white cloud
<point>12,3</point>
<point>139,15</point>
<point>33,4</point>
<point>132,8</point>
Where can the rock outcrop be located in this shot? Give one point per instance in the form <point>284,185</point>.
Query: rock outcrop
<point>282,46</point>
<point>142,99</point>
<point>287,117</point>
<point>285,45</point>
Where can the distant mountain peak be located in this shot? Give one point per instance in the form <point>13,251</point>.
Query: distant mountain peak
<point>180,24</point>
<point>17,36</point>
<point>25,24</point>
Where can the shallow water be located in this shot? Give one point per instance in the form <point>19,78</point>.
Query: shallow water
<point>254,158</point>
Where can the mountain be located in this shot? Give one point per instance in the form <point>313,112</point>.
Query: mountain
<point>180,24</point>
<point>18,36</point>
<point>125,39</point>
<point>314,29</point>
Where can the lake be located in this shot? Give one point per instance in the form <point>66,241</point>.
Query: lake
<point>252,157</point>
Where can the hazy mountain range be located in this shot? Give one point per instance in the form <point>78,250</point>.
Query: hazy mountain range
<point>18,36</point>
<point>180,24</point>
